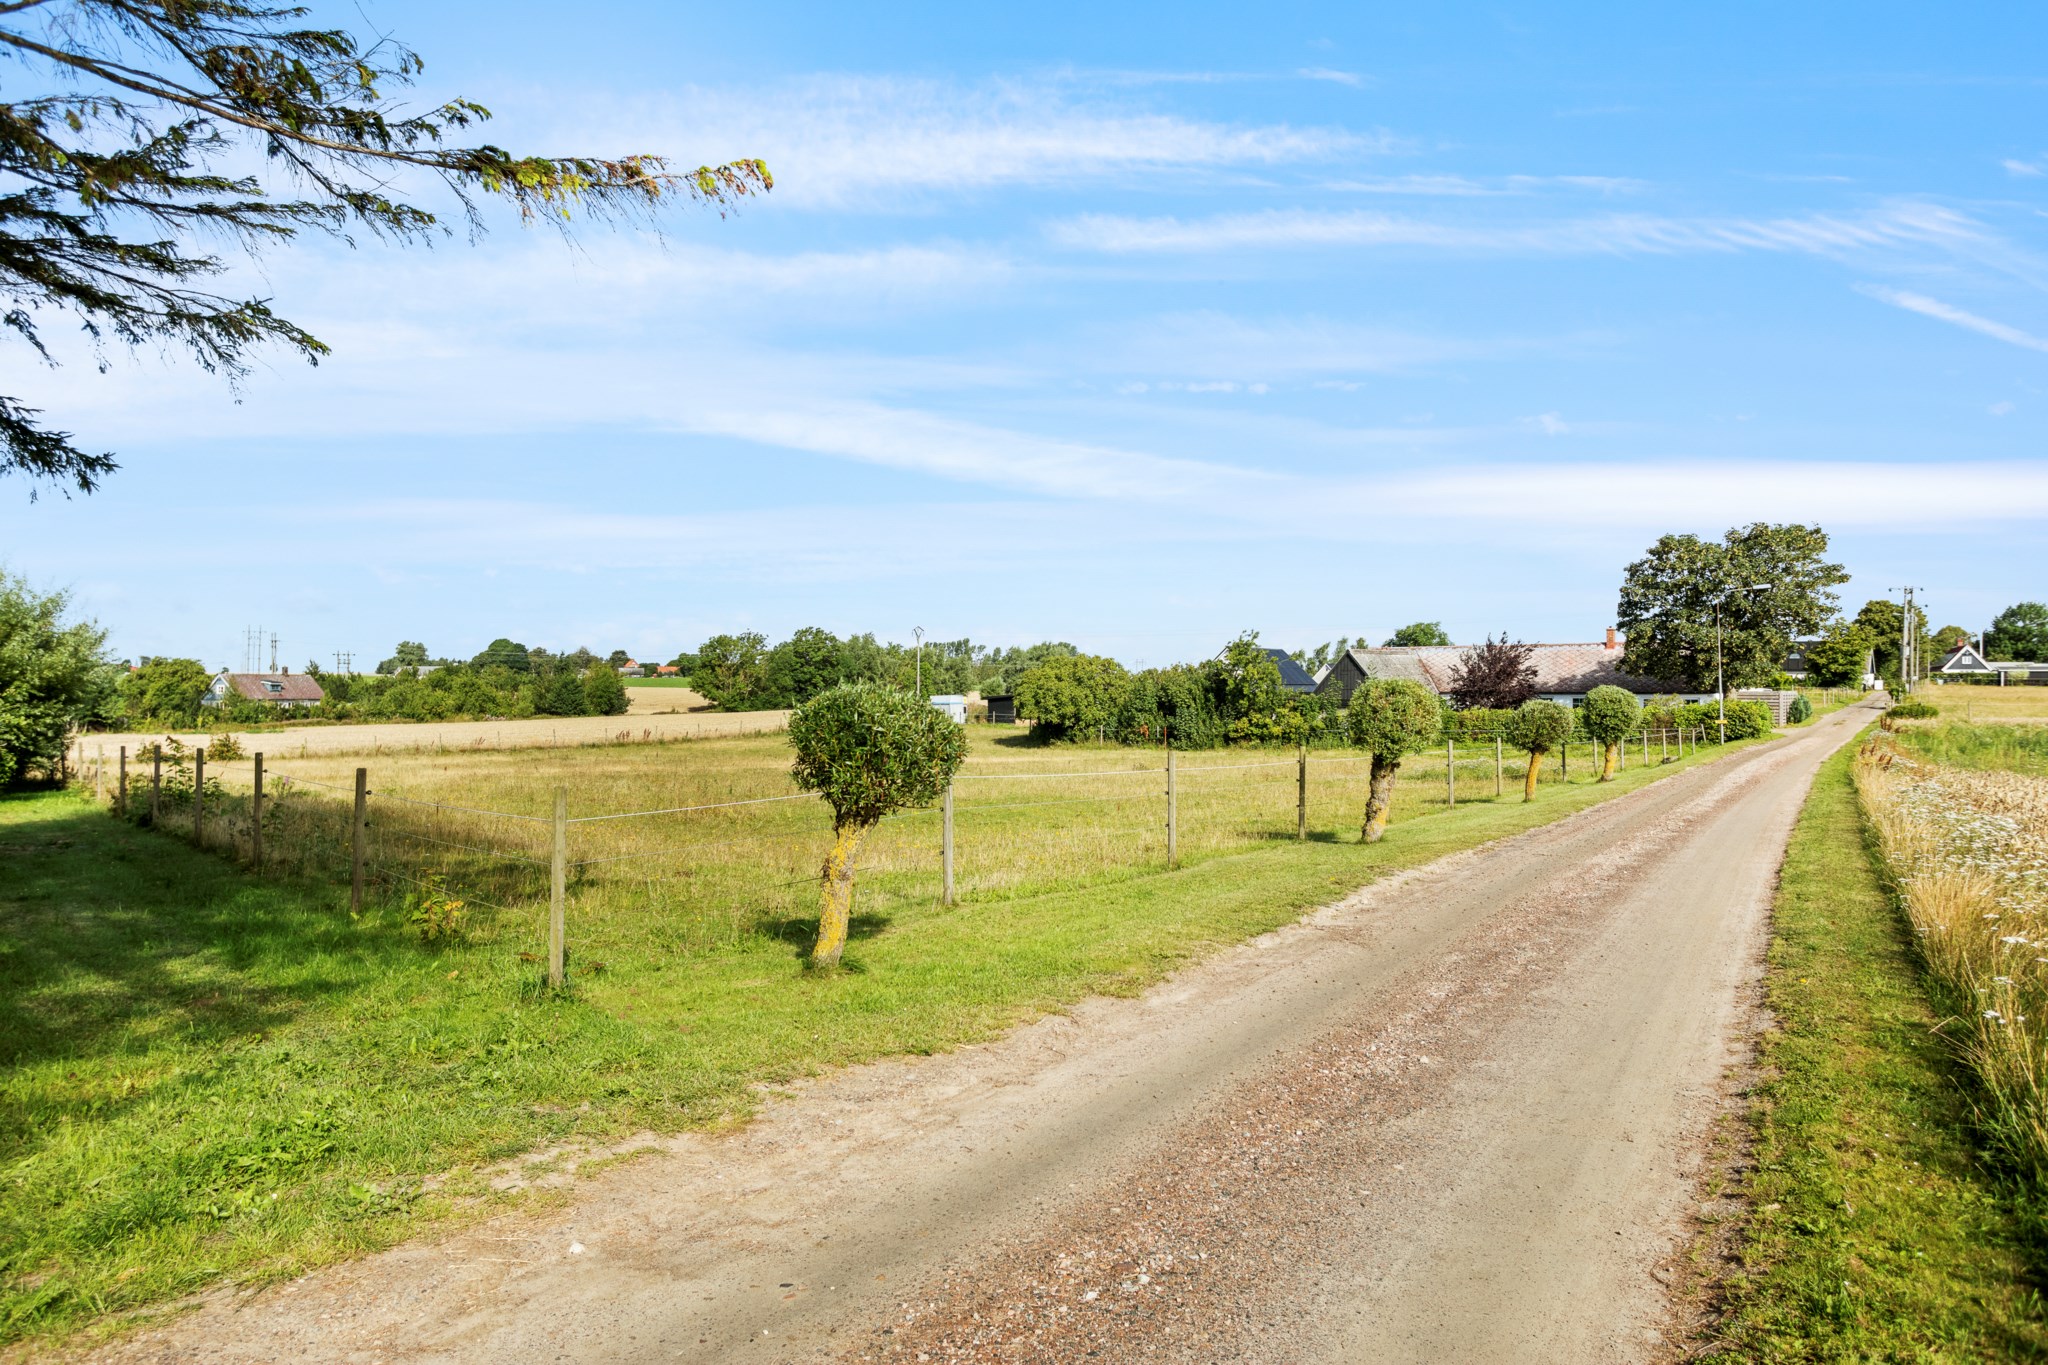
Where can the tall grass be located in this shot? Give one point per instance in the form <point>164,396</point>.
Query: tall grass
<point>2000,748</point>
<point>1968,852</point>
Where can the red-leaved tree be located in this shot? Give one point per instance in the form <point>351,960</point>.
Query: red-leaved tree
<point>1495,674</point>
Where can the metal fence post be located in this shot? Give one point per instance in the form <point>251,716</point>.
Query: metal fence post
<point>199,798</point>
<point>256,819</point>
<point>1172,832</point>
<point>124,782</point>
<point>358,833</point>
<point>1451,772</point>
<point>946,850</point>
<point>558,892</point>
<point>1301,797</point>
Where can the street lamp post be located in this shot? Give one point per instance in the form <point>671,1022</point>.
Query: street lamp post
<point>918,631</point>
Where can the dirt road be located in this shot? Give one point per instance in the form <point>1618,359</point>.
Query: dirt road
<point>1456,1117</point>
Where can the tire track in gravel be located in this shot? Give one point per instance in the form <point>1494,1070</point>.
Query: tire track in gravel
<point>1246,1234</point>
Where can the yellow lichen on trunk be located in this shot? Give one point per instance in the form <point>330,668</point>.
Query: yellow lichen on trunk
<point>1611,762</point>
<point>1379,801</point>
<point>835,910</point>
<point>1529,781</point>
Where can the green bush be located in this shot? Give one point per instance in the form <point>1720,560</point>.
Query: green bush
<point>868,749</point>
<point>52,678</point>
<point>1749,720</point>
<point>1801,710</point>
<point>1913,710</point>
<point>604,691</point>
<point>1537,728</point>
<point>1609,717</point>
<point>1477,722</point>
<point>1073,697</point>
<point>1392,718</point>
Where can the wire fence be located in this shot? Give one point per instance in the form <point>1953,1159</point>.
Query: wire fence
<point>557,852</point>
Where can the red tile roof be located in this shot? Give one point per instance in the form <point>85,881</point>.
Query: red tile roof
<point>294,686</point>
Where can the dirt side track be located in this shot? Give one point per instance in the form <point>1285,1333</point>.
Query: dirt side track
<point>1454,1117</point>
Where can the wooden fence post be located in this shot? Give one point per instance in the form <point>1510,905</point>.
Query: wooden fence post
<point>1301,796</point>
<point>256,818</point>
<point>558,893</point>
<point>1564,761</point>
<point>358,834</point>
<point>156,782</point>
<point>1172,830</point>
<point>946,849</point>
<point>123,799</point>
<point>1499,771</point>
<point>199,798</point>
<point>1450,772</point>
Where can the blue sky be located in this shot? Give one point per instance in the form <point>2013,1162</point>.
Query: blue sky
<point>1135,326</point>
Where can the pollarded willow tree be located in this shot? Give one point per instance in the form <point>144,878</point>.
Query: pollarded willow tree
<point>868,749</point>
<point>1393,718</point>
<point>1610,716</point>
<point>1537,728</point>
<point>138,145</point>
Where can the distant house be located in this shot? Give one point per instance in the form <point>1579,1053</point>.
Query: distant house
<point>632,669</point>
<point>1564,672</point>
<point>287,691</point>
<point>1967,661</point>
<point>1293,676</point>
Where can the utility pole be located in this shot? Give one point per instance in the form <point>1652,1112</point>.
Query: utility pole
<point>1909,641</point>
<point>918,631</point>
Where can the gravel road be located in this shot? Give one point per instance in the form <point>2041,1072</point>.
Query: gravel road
<point>1456,1117</point>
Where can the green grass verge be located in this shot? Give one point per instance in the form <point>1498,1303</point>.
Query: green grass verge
<point>1874,1234</point>
<point>207,1076</point>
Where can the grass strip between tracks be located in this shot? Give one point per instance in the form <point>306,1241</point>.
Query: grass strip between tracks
<point>205,1076</point>
<point>1874,1231</point>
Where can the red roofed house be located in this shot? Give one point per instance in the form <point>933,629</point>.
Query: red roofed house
<point>287,691</point>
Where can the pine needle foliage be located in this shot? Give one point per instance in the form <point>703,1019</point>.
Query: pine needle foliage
<point>110,177</point>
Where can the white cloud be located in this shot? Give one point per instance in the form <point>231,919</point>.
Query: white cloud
<point>1324,73</point>
<point>2023,168</point>
<point>1899,225</point>
<point>2002,409</point>
<point>1549,423</point>
<point>1447,186</point>
<point>868,142</point>
<point>1935,308</point>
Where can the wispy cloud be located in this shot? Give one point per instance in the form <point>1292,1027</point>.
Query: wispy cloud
<point>1324,73</point>
<point>2024,169</point>
<point>1820,234</point>
<point>1469,187</point>
<point>867,142</point>
<point>1945,312</point>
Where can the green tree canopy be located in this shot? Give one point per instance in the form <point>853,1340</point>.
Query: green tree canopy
<point>1610,716</point>
<point>1668,597</point>
<point>868,749</point>
<point>732,669</point>
<point>505,654</point>
<point>1882,621</point>
<point>1393,718</point>
<point>1073,696</point>
<point>1537,728</point>
<point>604,691</point>
<point>53,677</point>
<point>1420,633</point>
<point>2019,632</point>
<point>1839,656</point>
<point>1946,639</point>
<point>165,692</point>
<point>408,654</point>
<point>130,141</point>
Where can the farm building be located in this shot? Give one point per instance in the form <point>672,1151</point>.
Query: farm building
<point>1967,661</point>
<point>1293,676</point>
<point>1564,672</point>
<point>286,691</point>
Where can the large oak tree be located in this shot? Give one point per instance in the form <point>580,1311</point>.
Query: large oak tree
<point>125,165</point>
<point>1668,598</point>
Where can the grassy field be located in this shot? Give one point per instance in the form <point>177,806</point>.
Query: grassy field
<point>1875,1233</point>
<point>1960,701</point>
<point>208,1075</point>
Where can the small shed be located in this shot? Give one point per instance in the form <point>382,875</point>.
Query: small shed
<point>953,705</point>
<point>1002,709</point>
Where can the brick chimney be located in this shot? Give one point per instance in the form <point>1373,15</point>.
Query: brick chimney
<point>1610,637</point>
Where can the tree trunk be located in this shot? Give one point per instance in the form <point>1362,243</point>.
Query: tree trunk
<point>835,908</point>
<point>1529,782</point>
<point>1613,752</point>
<point>1380,799</point>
